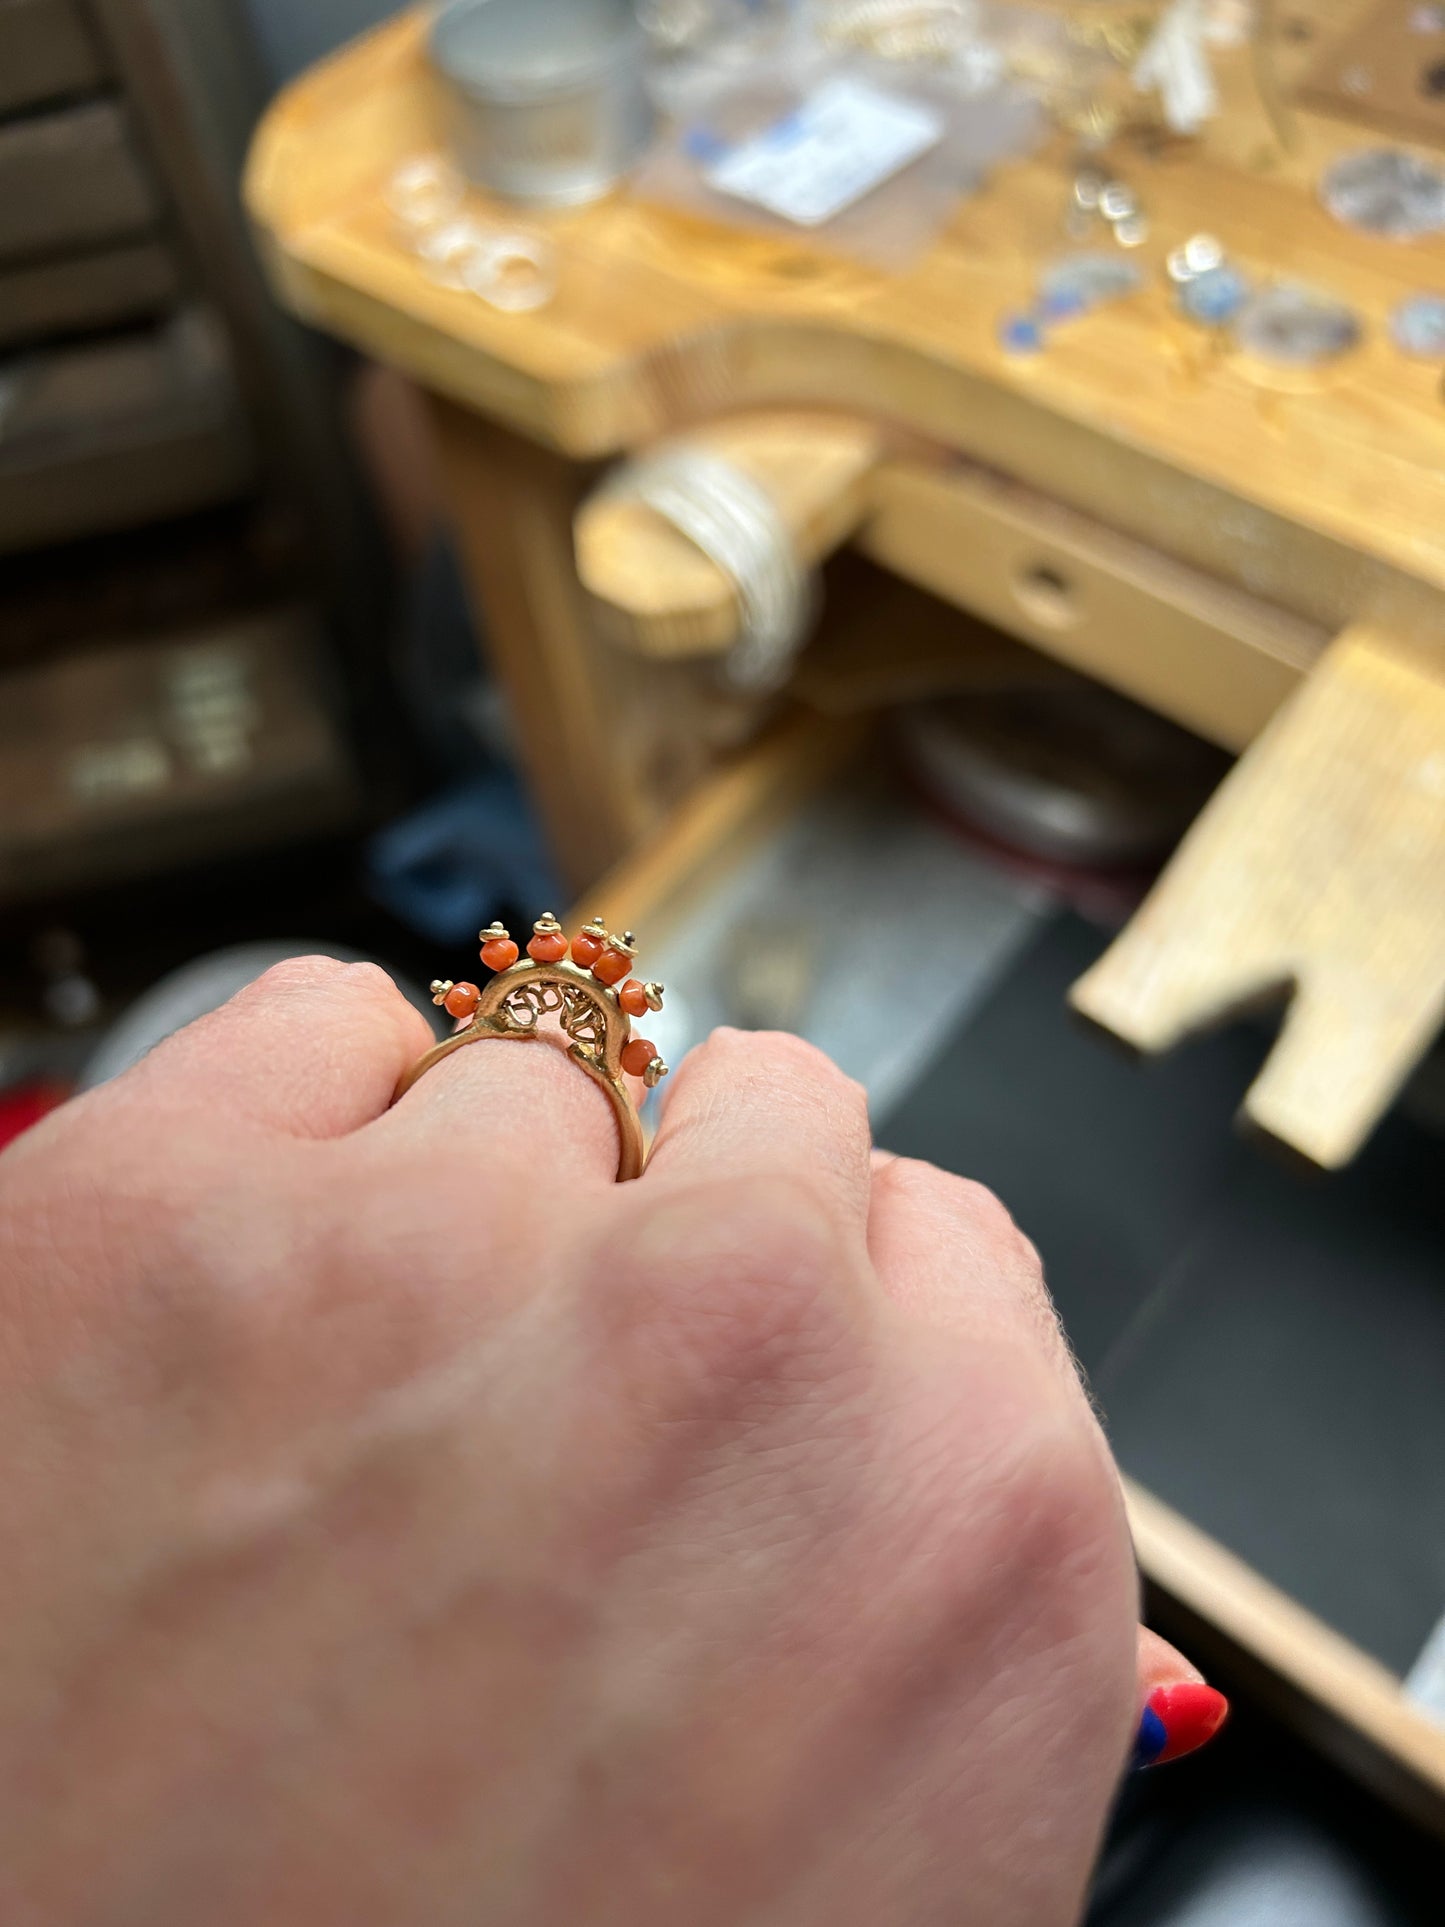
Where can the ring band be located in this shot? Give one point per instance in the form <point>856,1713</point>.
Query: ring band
<point>588,987</point>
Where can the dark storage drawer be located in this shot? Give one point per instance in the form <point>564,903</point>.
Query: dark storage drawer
<point>46,53</point>
<point>71,179</point>
<point>118,433</point>
<point>89,291</point>
<point>128,758</point>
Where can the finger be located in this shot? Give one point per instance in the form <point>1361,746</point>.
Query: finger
<point>1161,1664</point>
<point>947,1250</point>
<point>312,1049</point>
<point>751,1104</point>
<point>521,1104</point>
<point>1179,1712</point>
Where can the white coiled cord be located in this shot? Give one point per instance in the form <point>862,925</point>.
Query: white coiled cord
<point>738,526</point>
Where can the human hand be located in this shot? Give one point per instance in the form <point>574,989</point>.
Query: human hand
<point>403,1523</point>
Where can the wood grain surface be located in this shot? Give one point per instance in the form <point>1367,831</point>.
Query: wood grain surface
<point>657,592</point>
<point>1316,873</point>
<point>1321,495</point>
<point>1345,1702</point>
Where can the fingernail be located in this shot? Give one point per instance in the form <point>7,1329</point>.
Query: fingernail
<point>1177,1720</point>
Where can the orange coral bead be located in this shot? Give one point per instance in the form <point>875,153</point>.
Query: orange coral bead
<point>637,1055</point>
<point>548,946</point>
<point>500,954</point>
<point>462,999</point>
<point>611,967</point>
<point>633,998</point>
<point>586,948</point>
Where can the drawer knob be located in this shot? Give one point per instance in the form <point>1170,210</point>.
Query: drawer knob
<point>1046,595</point>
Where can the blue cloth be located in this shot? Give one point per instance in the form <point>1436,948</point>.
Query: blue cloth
<point>446,867</point>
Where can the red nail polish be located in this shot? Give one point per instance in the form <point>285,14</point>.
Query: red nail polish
<point>1192,1713</point>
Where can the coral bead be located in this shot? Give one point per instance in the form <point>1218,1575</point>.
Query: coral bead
<point>611,967</point>
<point>633,998</point>
<point>548,946</point>
<point>462,999</point>
<point>637,1055</point>
<point>500,954</point>
<point>586,948</point>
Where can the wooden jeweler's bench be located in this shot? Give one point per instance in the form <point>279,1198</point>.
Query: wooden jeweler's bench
<point>1255,553</point>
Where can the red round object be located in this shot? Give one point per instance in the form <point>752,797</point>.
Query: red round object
<point>548,946</point>
<point>500,954</point>
<point>586,948</point>
<point>611,967</point>
<point>462,1000</point>
<point>637,1055</point>
<point>633,998</point>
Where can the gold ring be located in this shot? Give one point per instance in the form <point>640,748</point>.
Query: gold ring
<point>588,987</point>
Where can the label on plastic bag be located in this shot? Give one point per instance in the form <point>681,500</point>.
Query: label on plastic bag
<point>844,140</point>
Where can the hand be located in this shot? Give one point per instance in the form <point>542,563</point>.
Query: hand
<point>404,1524</point>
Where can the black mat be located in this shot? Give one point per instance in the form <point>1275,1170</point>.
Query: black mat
<point>1268,1345</point>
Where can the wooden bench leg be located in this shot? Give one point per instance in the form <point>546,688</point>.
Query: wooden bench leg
<point>1317,872</point>
<point>512,503</point>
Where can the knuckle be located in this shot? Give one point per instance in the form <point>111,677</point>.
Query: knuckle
<point>964,1200</point>
<point>369,983</point>
<point>362,992</point>
<point>1046,1545</point>
<point>298,973</point>
<point>933,1189</point>
<point>1063,1511</point>
<point>737,1282</point>
<point>767,1057</point>
<point>987,1211</point>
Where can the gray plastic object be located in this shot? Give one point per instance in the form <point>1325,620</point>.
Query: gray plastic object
<point>202,986</point>
<point>549,101</point>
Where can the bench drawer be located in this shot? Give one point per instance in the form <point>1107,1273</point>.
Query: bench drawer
<point>88,292</point>
<point>46,53</point>
<point>71,179</point>
<point>1124,1177</point>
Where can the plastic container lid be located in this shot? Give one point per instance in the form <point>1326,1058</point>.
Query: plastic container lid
<point>522,49</point>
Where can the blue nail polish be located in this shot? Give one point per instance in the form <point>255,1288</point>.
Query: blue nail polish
<point>1151,1741</point>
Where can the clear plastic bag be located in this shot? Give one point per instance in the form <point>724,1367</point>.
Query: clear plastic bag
<point>749,138</point>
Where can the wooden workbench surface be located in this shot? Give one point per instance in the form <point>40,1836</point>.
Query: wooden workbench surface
<point>1319,492</point>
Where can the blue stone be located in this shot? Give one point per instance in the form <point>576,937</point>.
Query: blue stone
<point>1214,297</point>
<point>1062,304</point>
<point>1020,334</point>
